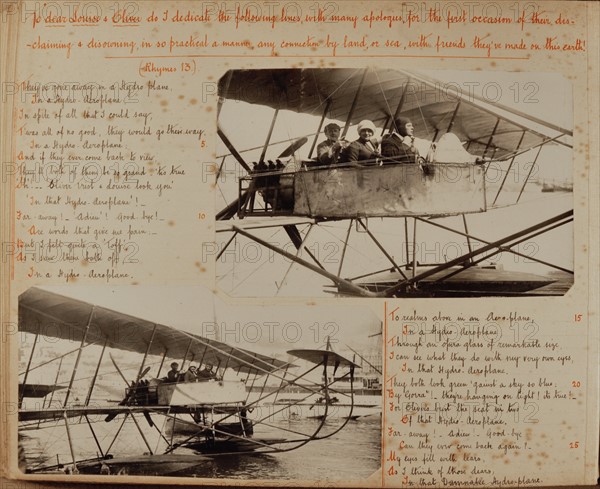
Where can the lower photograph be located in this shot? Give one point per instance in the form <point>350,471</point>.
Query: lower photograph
<point>173,381</point>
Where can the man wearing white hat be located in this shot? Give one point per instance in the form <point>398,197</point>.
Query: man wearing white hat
<point>365,147</point>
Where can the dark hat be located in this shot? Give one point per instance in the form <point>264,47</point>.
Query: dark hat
<point>174,364</point>
<point>331,125</point>
<point>400,125</point>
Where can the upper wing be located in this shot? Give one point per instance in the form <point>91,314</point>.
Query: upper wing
<point>57,316</point>
<point>376,94</point>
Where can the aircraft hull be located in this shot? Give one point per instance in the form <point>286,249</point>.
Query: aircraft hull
<point>234,444</point>
<point>474,280</point>
<point>193,393</point>
<point>158,464</point>
<point>389,191</point>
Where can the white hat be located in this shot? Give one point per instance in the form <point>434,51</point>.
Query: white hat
<point>366,124</point>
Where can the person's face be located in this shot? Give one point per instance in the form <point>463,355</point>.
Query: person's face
<point>365,134</point>
<point>333,133</point>
<point>409,129</point>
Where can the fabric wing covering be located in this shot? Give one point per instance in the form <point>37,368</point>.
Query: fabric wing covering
<point>57,316</point>
<point>382,94</point>
<point>330,358</point>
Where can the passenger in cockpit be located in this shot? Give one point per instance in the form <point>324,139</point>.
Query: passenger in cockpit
<point>364,148</point>
<point>173,374</point>
<point>328,151</point>
<point>207,373</point>
<point>190,375</point>
<point>399,145</point>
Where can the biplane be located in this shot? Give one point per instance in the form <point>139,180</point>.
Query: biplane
<point>286,189</point>
<point>177,423</point>
<point>354,399</point>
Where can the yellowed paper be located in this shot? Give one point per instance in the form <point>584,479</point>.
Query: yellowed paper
<point>463,286</point>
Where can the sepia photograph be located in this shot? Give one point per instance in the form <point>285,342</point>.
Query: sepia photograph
<point>300,244</point>
<point>171,381</point>
<point>381,182</point>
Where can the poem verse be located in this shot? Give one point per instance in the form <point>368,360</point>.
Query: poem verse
<point>88,182</point>
<point>470,401</point>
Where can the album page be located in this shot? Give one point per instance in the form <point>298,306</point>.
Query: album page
<point>308,243</point>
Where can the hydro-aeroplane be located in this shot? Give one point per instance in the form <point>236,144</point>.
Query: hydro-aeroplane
<point>222,416</point>
<point>284,191</point>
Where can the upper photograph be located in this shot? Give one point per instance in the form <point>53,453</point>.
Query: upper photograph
<point>378,182</point>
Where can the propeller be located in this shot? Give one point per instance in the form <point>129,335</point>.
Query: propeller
<point>292,148</point>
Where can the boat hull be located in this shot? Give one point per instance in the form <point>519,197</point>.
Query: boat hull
<point>470,281</point>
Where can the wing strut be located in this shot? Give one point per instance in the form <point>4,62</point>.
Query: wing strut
<point>400,104</point>
<point>162,362</point>
<point>390,291</point>
<point>70,440</point>
<point>55,383</point>
<point>529,174</point>
<point>337,280</point>
<point>186,354</point>
<point>139,374</point>
<point>354,102</point>
<point>28,367</point>
<point>451,125</point>
<point>299,250</point>
<point>294,234</point>
<point>487,146</point>
<point>232,149</point>
<point>508,249</point>
<point>387,255</point>
<point>93,434</point>
<point>229,211</point>
<point>225,247</point>
<point>464,218</point>
<point>345,246</point>
<point>264,151</point>
<point>93,382</point>
<point>509,166</point>
<point>499,250</point>
<point>80,349</point>
<point>314,143</point>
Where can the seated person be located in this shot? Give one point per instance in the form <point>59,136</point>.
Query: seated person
<point>173,374</point>
<point>190,375</point>
<point>207,373</point>
<point>328,151</point>
<point>364,148</point>
<point>398,146</point>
